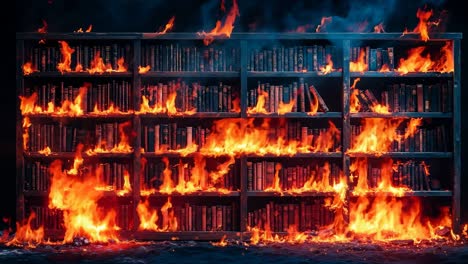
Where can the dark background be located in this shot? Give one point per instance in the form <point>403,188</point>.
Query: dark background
<point>197,15</point>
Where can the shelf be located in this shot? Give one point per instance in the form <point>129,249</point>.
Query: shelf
<point>407,194</point>
<point>402,115</point>
<point>71,155</point>
<point>191,74</point>
<point>418,155</point>
<point>287,194</point>
<point>376,74</point>
<point>186,235</point>
<point>84,116</point>
<point>108,194</point>
<point>195,115</point>
<point>298,115</point>
<point>78,74</point>
<point>293,74</point>
<point>299,155</point>
<point>196,194</point>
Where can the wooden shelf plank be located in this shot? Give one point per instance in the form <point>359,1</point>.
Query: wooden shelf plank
<point>71,155</point>
<point>123,116</point>
<point>188,74</point>
<point>195,115</point>
<point>434,193</point>
<point>196,194</point>
<point>292,74</point>
<point>402,155</point>
<point>186,235</point>
<point>298,115</point>
<point>402,115</point>
<point>78,74</point>
<point>300,155</point>
<point>376,74</point>
<point>287,194</point>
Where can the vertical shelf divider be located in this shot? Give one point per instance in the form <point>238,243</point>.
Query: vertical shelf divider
<point>243,160</point>
<point>137,126</point>
<point>19,139</point>
<point>456,198</point>
<point>346,129</point>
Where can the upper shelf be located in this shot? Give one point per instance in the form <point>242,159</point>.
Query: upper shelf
<point>78,74</point>
<point>293,74</point>
<point>191,74</point>
<point>239,36</point>
<point>376,74</point>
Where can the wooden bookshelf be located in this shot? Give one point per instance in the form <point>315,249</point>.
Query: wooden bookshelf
<point>334,87</point>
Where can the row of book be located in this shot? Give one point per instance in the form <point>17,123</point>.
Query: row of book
<point>156,174</point>
<point>411,174</point>
<point>191,217</point>
<point>279,217</point>
<point>64,138</point>
<point>189,97</point>
<point>84,57</point>
<point>176,58</point>
<point>374,58</point>
<point>295,58</point>
<point>36,176</point>
<point>94,95</point>
<point>426,139</point>
<point>303,96</point>
<point>261,175</point>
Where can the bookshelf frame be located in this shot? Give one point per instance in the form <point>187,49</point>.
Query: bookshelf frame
<point>243,76</point>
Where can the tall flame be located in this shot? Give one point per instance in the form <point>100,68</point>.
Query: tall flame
<point>25,233</point>
<point>422,28</point>
<point>148,217</point>
<point>416,62</point>
<point>64,65</point>
<point>26,125</point>
<point>169,25</point>
<point>360,65</point>
<point>222,29</point>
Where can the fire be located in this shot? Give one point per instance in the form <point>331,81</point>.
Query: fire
<point>276,181</point>
<point>360,65</point>
<point>384,68</point>
<point>319,181</point>
<point>148,217</point>
<point>28,68</point>
<point>43,29</point>
<point>314,105</point>
<point>260,107</point>
<point>354,104</point>
<point>110,110</point>
<point>98,65</point>
<point>164,107</point>
<point>77,197</point>
<point>127,188</point>
<point>122,147</point>
<point>64,65</point>
<point>379,28</point>
<point>169,221</point>
<point>323,23</point>
<point>25,233</point>
<point>26,125</point>
<point>303,28</point>
<point>46,151</point>
<point>169,26</point>
<point>221,243</point>
<point>329,67</point>
<point>222,29</point>
<point>80,30</point>
<point>238,136</point>
<point>422,28</point>
<point>143,70</point>
<point>378,134</point>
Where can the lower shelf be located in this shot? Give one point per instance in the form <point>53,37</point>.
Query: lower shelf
<point>405,194</point>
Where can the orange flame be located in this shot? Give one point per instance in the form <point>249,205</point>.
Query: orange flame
<point>127,188</point>
<point>64,65</point>
<point>421,28</point>
<point>28,68</point>
<point>275,187</point>
<point>323,23</point>
<point>164,107</point>
<point>329,67</point>
<point>360,65</point>
<point>46,151</point>
<point>143,70</point>
<point>26,125</point>
<point>354,104</point>
<point>221,243</point>
<point>25,233</point>
<point>78,198</point>
<point>416,62</point>
<point>379,28</point>
<point>43,29</point>
<point>169,26</point>
<point>80,30</point>
<point>169,221</point>
<point>122,147</point>
<point>148,217</point>
<point>222,29</point>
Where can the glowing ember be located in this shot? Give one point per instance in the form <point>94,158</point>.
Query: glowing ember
<point>64,65</point>
<point>378,134</point>
<point>222,29</point>
<point>379,28</point>
<point>360,65</point>
<point>77,197</point>
<point>25,233</point>
<point>169,26</point>
<point>323,23</point>
<point>46,151</point>
<point>143,70</point>
<point>28,68</point>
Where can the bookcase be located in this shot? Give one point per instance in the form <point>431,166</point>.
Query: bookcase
<point>229,133</point>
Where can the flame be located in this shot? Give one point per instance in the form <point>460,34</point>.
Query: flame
<point>46,151</point>
<point>26,125</point>
<point>384,68</point>
<point>148,217</point>
<point>169,221</point>
<point>168,107</point>
<point>122,147</point>
<point>64,65</point>
<point>110,110</point>
<point>329,67</point>
<point>276,181</point>
<point>379,28</point>
<point>169,26</point>
<point>98,65</point>
<point>222,29</point>
<point>80,30</point>
<point>28,68</point>
<point>314,105</point>
<point>43,29</point>
<point>143,70</point>
<point>360,65</point>
<point>77,197</point>
<point>323,23</point>
<point>127,188</point>
<point>378,134</point>
<point>25,233</point>
<point>416,62</point>
<point>303,28</point>
<point>354,104</point>
<point>260,107</point>
<point>221,243</point>
<point>421,28</point>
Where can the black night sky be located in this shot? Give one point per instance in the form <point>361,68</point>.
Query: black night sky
<point>198,15</point>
